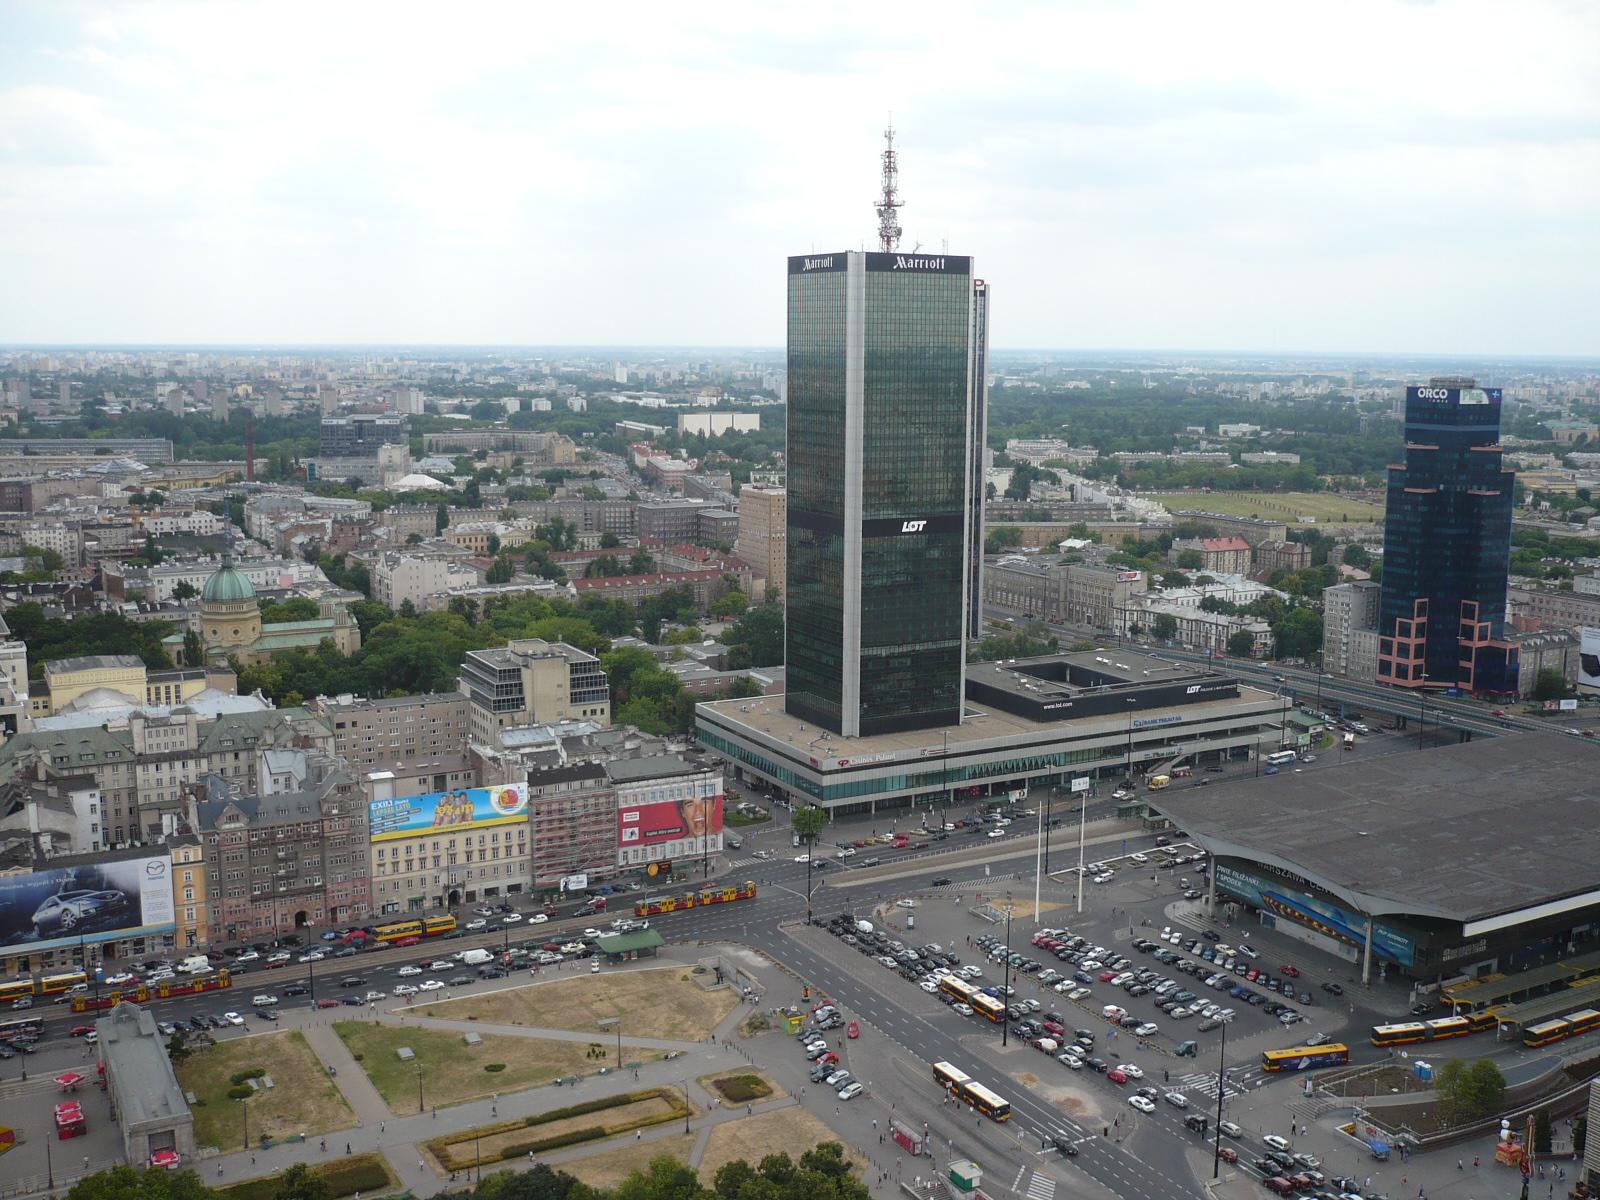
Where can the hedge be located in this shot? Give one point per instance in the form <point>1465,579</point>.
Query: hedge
<point>444,1148</point>
<point>361,1173</point>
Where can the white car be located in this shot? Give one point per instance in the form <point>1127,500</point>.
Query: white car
<point>483,910</point>
<point>802,858</point>
<point>511,919</point>
<point>1142,1103</point>
<point>1176,1099</point>
<point>247,956</point>
<point>119,978</point>
<point>850,1090</point>
<point>371,996</point>
<point>439,964</point>
<point>265,1000</point>
<point>1112,1013</point>
<point>159,977</point>
<point>312,956</point>
<point>971,971</point>
<point>928,986</point>
<point>480,923</point>
<point>408,970</point>
<point>404,989</point>
<point>537,918</point>
<point>1148,1029</point>
<point>278,958</point>
<point>1077,993</point>
<point>847,852</point>
<point>431,985</point>
<point>233,1018</point>
<point>964,1010</point>
<point>1132,1070</point>
<point>592,933</point>
<point>1139,858</point>
<point>1273,1141</point>
<point>1071,1061</point>
<point>994,833</point>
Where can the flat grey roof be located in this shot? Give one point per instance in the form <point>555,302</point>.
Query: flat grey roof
<point>1477,833</point>
<point>136,1059</point>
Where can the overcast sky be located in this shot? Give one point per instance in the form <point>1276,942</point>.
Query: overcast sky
<point>1382,176</point>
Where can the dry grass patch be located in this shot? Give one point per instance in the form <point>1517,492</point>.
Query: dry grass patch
<point>303,1099</point>
<point>662,1002</point>
<point>609,1168</point>
<point>790,1131</point>
<point>1274,506</point>
<point>452,1071</point>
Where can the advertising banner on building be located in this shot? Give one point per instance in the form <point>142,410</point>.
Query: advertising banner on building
<point>1589,662</point>
<point>667,821</point>
<point>457,810</point>
<point>1277,896</point>
<point>92,902</point>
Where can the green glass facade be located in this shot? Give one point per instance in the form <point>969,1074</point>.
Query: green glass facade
<point>880,403</point>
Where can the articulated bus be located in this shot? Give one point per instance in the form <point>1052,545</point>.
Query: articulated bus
<point>1305,1058</point>
<point>438,926</point>
<point>954,985</point>
<point>1399,1035</point>
<point>397,931</point>
<point>52,985</point>
<point>989,1006</point>
<point>1407,1032</point>
<point>15,989</point>
<point>963,1087</point>
<point>1561,1028</point>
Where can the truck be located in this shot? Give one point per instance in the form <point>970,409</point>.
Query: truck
<point>1349,741</point>
<point>476,957</point>
<point>1157,782</point>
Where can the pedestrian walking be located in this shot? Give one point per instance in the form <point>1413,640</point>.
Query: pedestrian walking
<point>638,1134</point>
<point>382,1127</point>
<point>1474,1161</point>
<point>324,1144</point>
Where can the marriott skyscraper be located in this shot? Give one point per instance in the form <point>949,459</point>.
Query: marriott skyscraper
<point>886,411</point>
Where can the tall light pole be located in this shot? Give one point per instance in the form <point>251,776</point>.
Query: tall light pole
<point>1005,1021</point>
<point>1222,1083</point>
<point>419,1087</point>
<point>1083,829</point>
<point>1131,703</point>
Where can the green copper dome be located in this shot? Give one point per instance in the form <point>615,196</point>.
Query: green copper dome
<point>227,586</point>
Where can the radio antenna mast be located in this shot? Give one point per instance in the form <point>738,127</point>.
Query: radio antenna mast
<point>889,202</point>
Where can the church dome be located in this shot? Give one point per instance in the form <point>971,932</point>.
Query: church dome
<point>227,586</point>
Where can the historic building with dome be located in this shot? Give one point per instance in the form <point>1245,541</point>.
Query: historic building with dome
<point>231,624</point>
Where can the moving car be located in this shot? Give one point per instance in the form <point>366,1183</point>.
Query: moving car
<point>1142,1103</point>
<point>431,985</point>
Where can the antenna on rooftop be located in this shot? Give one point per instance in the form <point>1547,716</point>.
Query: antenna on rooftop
<point>888,219</point>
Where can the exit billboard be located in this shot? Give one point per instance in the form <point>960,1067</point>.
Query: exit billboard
<point>459,809</point>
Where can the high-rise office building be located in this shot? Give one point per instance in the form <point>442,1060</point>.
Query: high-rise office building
<point>885,371</point>
<point>1447,546</point>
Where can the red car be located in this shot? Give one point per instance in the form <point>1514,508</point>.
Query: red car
<point>81,1030</point>
<point>1117,1075</point>
<point>828,1059</point>
<point>326,1003</point>
<point>1291,972</point>
<point>852,1030</point>
<point>1228,1154</point>
<point>1252,974</point>
<point>1107,976</point>
<point>859,843</point>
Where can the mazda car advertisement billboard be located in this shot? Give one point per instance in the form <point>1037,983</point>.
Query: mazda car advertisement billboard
<point>457,810</point>
<point>96,902</point>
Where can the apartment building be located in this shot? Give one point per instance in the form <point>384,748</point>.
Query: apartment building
<point>1272,556</point>
<point>1251,529</point>
<point>763,540</point>
<point>1073,592</point>
<point>382,732</point>
<point>1348,610</point>
<point>398,578</point>
<point>439,848</point>
<point>573,811</point>
<point>531,681</point>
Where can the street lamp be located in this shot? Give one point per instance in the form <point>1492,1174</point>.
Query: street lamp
<point>419,1087</point>
<point>613,1023</point>
<point>1222,1084</point>
<point>244,1110</point>
<point>1005,1022</point>
<point>1131,703</point>
<point>684,1084</point>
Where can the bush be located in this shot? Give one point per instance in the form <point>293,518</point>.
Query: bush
<point>741,1089</point>
<point>242,1092</point>
<point>250,1073</point>
<point>494,1066</point>
<point>363,1173</point>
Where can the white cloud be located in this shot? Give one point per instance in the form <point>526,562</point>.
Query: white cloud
<point>1371,175</point>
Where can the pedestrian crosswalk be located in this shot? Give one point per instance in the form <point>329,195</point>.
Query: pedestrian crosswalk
<point>1041,1187</point>
<point>1205,1082</point>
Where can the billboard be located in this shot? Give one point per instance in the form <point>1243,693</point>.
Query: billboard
<point>457,810</point>
<point>92,902</point>
<point>1327,918</point>
<point>679,823</point>
<point>1589,662</point>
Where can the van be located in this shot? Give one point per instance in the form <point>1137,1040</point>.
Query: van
<point>476,958</point>
<point>1186,1049</point>
<point>1157,782</point>
<point>195,964</point>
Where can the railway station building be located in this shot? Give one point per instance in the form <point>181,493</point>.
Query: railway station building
<point>1462,867</point>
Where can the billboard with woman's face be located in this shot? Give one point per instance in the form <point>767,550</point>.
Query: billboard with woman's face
<point>656,824</point>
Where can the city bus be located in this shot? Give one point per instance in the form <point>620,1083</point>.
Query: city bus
<point>1282,758</point>
<point>947,1075</point>
<point>15,989</point>
<point>990,1104</point>
<point>1561,1028</point>
<point>51,985</point>
<point>438,926</point>
<point>397,931</point>
<point>989,1006</point>
<point>954,985</point>
<point>1305,1058</point>
<point>1399,1035</point>
<point>1460,1026</point>
<point>22,1027</point>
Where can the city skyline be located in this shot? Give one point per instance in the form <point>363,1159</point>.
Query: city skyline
<point>211,177</point>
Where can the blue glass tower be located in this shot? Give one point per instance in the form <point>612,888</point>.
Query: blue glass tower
<point>1447,546</point>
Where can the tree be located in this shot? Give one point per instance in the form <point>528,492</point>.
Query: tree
<point>1468,1091</point>
<point>757,637</point>
<point>640,562</point>
<point>743,688</point>
<point>134,1183</point>
<point>1356,555</point>
<point>194,651</point>
<point>808,822</point>
<point>1298,634</point>
<point>609,541</point>
<point>602,566</point>
<point>1541,1131</point>
<point>408,610</point>
<point>300,1182</point>
<point>414,539</point>
<point>499,571</point>
<point>296,608</point>
<point>1191,560</point>
<point>1549,684</point>
<point>494,545</point>
<point>730,604</point>
<point>441,518</point>
<point>1164,626</point>
<point>1241,644</point>
<point>998,540</point>
<point>185,590</point>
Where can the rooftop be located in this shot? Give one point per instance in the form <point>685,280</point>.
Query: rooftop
<point>1472,833</point>
<point>655,766</point>
<point>94,662</point>
<point>136,1059</point>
